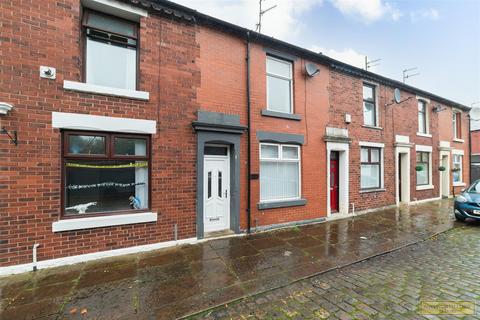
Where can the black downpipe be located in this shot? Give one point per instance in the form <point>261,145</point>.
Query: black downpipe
<point>249,207</point>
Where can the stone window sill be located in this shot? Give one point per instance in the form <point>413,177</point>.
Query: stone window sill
<point>103,221</point>
<point>459,184</point>
<point>108,91</point>
<point>372,190</point>
<point>426,135</point>
<point>458,140</point>
<point>425,187</point>
<point>282,115</point>
<point>372,127</point>
<point>281,204</point>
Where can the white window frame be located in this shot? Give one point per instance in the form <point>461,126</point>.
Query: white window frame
<point>375,87</point>
<point>381,146</point>
<point>427,149</point>
<point>290,64</point>
<point>456,153</point>
<point>280,159</point>
<point>427,133</point>
<point>456,117</point>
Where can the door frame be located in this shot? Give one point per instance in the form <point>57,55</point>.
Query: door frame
<point>218,157</point>
<point>445,174</point>
<point>337,179</point>
<point>343,176</point>
<point>405,163</point>
<point>232,140</point>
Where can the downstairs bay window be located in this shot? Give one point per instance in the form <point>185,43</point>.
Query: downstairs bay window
<point>279,172</point>
<point>105,173</point>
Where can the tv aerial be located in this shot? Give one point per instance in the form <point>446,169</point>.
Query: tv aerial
<point>258,26</point>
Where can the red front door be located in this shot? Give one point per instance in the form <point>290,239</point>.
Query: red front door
<point>334,181</point>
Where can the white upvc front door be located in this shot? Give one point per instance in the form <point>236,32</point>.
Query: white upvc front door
<point>216,193</point>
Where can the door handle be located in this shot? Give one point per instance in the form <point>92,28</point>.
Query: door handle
<point>226,193</point>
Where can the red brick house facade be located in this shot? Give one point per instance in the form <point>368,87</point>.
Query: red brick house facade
<point>116,159</point>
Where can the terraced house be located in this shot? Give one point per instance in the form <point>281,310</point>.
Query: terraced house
<point>131,125</point>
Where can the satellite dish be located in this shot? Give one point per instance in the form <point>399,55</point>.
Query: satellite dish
<point>397,95</point>
<point>311,69</point>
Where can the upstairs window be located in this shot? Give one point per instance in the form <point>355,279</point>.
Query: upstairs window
<point>279,85</point>
<point>422,117</point>
<point>105,173</point>
<point>369,105</point>
<point>110,50</point>
<point>457,125</point>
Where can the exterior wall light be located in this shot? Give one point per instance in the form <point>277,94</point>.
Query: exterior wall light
<point>5,108</point>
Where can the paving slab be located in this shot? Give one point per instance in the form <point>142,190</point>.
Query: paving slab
<point>175,282</point>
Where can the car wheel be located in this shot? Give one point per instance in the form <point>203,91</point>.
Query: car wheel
<point>459,218</point>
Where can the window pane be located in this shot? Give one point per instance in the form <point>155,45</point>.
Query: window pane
<point>290,153</point>
<point>368,113</point>
<point>374,155</point>
<point>111,24</point>
<point>269,151</point>
<point>279,180</point>
<point>279,68</point>
<point>368,93</point>
<point>278,94</point>
<point>219,184</point>
<point>421,107</point>
<point>423,176</point>
<point>110,65</point>
<point>209,185</point>
<point>105,186</point>
<point>93,145</point>
<point>130,147</point>
<point>215,151</point>
<point>421,122</point>
<point>364,155</point>
<point>370,176</point>
<point>425,157</point>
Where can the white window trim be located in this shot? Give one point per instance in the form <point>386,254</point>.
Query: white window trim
<point>109,91</point>
<point>103,221</point>
<point>280,158</point>
<point>427,118</point>
<point>422,148</point>
<point>429,149</point>
<point>76,121</point>
<point>377,96</point>
<point>459,153</point>
<point>283,78</point>
<point>456,112</point>
<point>116,8</point>
<point>371,144</point>
<point>382,163</point>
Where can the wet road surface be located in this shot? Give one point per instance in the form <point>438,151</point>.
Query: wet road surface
<point>391,286</point>
<point>170,283</point>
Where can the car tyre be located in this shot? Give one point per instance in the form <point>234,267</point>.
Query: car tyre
<point>459,218</point>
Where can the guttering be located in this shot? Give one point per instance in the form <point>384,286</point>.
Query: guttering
<point>469,149</point>
<point>249,158</point>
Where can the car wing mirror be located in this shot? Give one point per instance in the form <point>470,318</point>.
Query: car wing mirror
<point>463,190</point>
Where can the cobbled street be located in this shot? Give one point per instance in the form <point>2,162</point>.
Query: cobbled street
<point>444,268</point>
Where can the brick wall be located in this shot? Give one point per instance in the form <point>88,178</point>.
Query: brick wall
<point>475,136</point>
<point>48,33</point>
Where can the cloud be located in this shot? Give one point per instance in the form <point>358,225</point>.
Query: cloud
<point>367,10</point>
<point>429,14</point>
<point>283,22</point>
<point>347,55</point>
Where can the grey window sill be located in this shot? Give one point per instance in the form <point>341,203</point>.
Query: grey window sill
<point>281,204</point>
<point>373,190</point>
<point>275,114</point>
